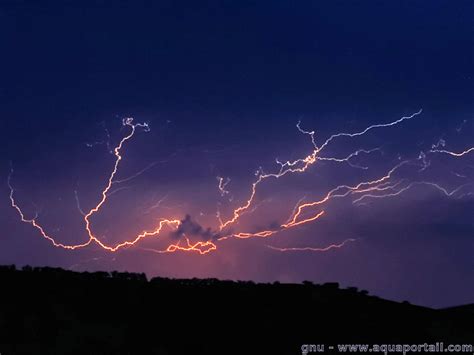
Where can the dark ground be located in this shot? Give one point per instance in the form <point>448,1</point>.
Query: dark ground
<point>53,311</point>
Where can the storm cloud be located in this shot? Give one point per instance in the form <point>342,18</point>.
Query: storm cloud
<point>191,228</point>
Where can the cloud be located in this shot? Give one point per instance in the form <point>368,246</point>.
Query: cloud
<point>191,228</point>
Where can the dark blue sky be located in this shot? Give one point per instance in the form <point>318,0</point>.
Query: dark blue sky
<point>222,85</point>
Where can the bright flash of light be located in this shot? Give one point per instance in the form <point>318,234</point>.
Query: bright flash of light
<point>302,164</point>
<point>174,223</point>
<point>303,213</point>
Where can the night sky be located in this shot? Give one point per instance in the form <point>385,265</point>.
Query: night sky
<point>222,86</point>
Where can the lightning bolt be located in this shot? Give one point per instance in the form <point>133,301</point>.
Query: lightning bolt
<point>313,249</point>
<point>411,185</point>
<point>454,154</point>
<point>222,184</point>
<point>348,158</point>
<point>302,164</point>
<point>303,213</point>
<point>34,223</point>
<point>200,247</point>
<point>173,223</point>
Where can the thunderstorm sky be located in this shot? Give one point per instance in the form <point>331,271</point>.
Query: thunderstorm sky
<point>220,87</point>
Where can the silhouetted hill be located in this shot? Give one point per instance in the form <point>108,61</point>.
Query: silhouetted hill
<point>53,311</point>
<point>468,308</point>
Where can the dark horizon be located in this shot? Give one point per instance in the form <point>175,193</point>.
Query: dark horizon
<point>102,313</point>
<point>218,91</point>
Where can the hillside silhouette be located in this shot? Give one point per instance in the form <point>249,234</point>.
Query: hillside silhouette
<point>54,311</point>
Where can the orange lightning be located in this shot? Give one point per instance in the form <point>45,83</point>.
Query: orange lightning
<point>303,213</point>
<point>200,247</point>
<point>302,164</point>
<point>35,224</point>
<point>105,193</point>
<point>369,186</point>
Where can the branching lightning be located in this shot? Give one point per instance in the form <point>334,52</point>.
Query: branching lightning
<point>222,185</point>
<point>302,164</point>
<point>304,212</point>
<point>105,193</point>
<point>200,247</point>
